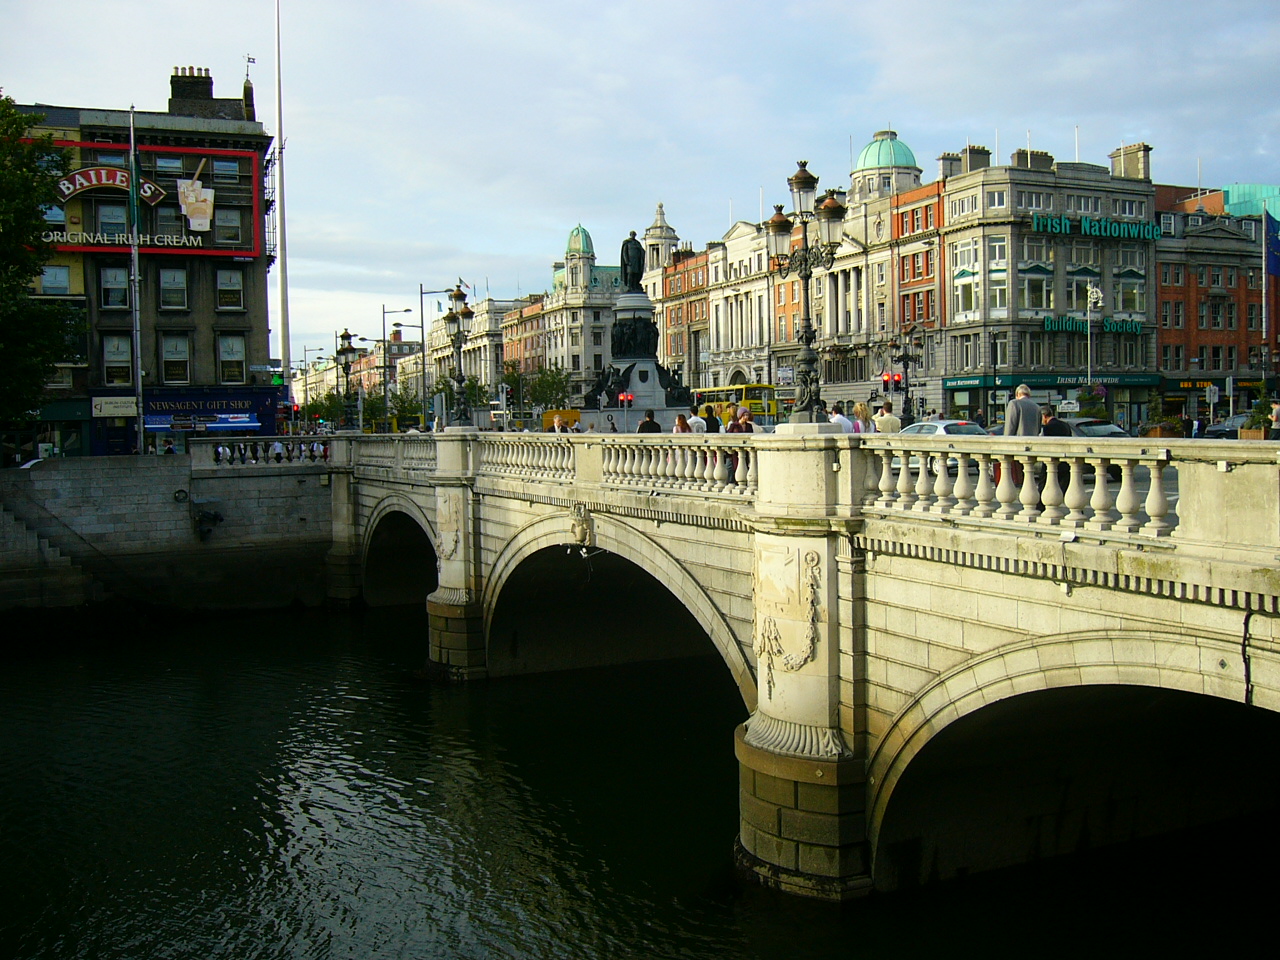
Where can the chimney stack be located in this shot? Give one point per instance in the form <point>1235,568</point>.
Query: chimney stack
<point>1132,162</point>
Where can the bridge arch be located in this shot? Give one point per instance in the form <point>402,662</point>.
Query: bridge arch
<point>392,571</point>
<point>1166,661</point>
<point>556,530</point>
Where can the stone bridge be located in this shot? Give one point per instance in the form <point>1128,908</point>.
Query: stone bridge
<point>957,653</point>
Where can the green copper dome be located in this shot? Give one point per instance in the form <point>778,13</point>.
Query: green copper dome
<point>885,150</point>
<point>580,242</point>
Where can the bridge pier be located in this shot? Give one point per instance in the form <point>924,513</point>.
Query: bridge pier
<point>343,563</point>
<point>802,793</point>
<point>455,611</point>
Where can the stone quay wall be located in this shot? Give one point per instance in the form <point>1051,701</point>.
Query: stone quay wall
<point>176,530</point>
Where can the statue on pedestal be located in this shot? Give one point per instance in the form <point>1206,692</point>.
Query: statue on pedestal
<point>632,262</point>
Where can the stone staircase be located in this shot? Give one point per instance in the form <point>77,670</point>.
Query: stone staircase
<point>34,573</point>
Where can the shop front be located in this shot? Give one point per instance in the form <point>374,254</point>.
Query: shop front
<point>1124,395</point>
<point>178,415</point>
<point>1190,397</point>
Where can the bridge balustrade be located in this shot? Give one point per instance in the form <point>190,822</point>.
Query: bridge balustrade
<point>1020,480</point>
<point>700,464</point>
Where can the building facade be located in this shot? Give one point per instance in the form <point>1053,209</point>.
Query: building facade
<point>205,244</point>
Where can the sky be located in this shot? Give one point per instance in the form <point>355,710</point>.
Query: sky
<point>429,141</point>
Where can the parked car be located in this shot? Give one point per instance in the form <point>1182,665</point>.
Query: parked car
<point>1228,429</point>
<point>933,428</point>
<point>1093,427</point>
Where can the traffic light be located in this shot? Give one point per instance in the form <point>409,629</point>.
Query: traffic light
<point>626,397</point>
<point>897,381</point>
<point>884,381</point>
<point>295,408</point>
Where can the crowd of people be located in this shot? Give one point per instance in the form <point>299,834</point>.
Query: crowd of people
<point>281,450</point>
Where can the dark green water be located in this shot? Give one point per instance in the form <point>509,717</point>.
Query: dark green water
<point>283,785</point>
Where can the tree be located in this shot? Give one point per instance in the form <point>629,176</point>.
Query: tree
<point>550,388</point>
<point>405,401</point>
<point>34,335</point>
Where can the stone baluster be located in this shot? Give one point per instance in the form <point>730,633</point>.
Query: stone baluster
<point>963,500</point>
<point>740,471</point>
<point>1127,501</point>
<point>1052,495</point>
<point>985,493</point>
<point>924,482</point>
<point>753,473</point>
<point>906,489</point>
<point>1076,497</point>
<point>1101,501</point>
<point>943,501</point>
<point>1029,495</point>
<point>1157,505</point>
<point>886,486</point>
<point>1007,490</point>
<point>720,475</point>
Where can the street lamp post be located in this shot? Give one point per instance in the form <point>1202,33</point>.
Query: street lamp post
<point>1095,303</point>
<point>457,324</point>
<point>386,402</point>
<point>423,293</point>
<point>830,218</point>
<point>345,356</point>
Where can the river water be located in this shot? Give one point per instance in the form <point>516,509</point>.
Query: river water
<point>288,785</point>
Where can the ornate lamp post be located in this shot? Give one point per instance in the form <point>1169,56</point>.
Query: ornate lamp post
<point>345,356</point>
<point>908,356</point>
<point>830,217</point>
<point>457,325</point>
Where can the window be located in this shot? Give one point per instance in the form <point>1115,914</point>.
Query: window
<point>1035,350</point>
<point>1033,200</point>
<point>965,295</point>
<point>1077,203</point>
<point>55,280</point>
<point>795,290</point>
<point>1250,229</point>
<point>963,206</point>
<point>577,362</point>
<point>1203,322</point>
<point>880,317</point>
<point>169,166</point>
<point>1129,351</point>
<point>880,272</point>
<point>173,288</point>
<point>111,219</point>
<point>111,158</point>
<point>1078,293</point>
<point>1166,224</point>
<point>1215,316</point>
<point>575,338</point>
<point>1179,314</point>
<point>1084,253</point>
<point>1179,275</point>
<point>117,360</point>
<point>1216,277</point>
<point>915,220</point>
<point>905,268</point>
<point>997,249</point>
<point>920,307</point>
<point>1231,358</point>
<point>1253,317</point>
<point>226,171</point>
<point>226,225</point>
<point>115,287</point>
<point>996,198</point>
<point>1231,277</point>
<point>1202,275</point>
<point>170,222</point>
<point>1231,316</point>
<point>1130,295</point>
<point>998,292</point>
<point>1131,255</point>
<point>1037,248</point>
<point>928,217</point>
<point>966,352</point>
<point>230,357</point>
<point>175,357</point>
<point>55,216</point>
<point>230,290</point>
<point>964,254</point>
<point>1035,293</point>
<point>596,336</point>
<point>595,318</point>
<point>1129,208</point>
<point>1215,358</point>
<point>1252,278</point>
<point>1000,349</point>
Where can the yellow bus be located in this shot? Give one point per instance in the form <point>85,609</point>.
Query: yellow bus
<point>760,398</point>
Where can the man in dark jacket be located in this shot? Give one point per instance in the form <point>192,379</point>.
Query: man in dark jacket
<point>648,424</point>
<point>1050,425</point>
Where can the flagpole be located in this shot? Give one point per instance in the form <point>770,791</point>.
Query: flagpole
<point>133,285</point>
<point>1266,338</point>
<point>285,353</point>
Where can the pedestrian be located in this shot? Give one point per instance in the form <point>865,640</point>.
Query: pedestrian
<point>277,451</point>
<point>1275,421</point>
<point>885,421</point>
<point>980,419</point>
<point>862,422</point>
<point>711,420</point>
<point>558,425</point>
<point>1022,415</point>
<point>696,423</point>
<point>743,423</point>
<point>682,424</point>
<point>168,446</point>
<point>838,417</point>
<point>648,424</point>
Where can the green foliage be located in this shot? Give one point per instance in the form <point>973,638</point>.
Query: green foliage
<point>549,388</point>
<point>475,392</point>
<point>1156,414</point>
<point>1260,415</point>
<point>405,401</point>
<point>329,407</point>
<point>34,334</point>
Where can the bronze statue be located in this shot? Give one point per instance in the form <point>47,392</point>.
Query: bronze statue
<point>632,258</point>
